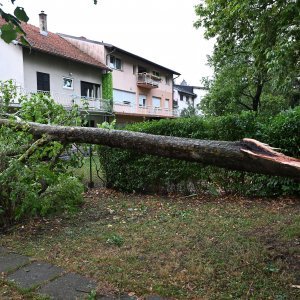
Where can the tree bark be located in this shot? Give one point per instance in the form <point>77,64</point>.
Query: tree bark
<point>256,98</point>
<point>246,155</point>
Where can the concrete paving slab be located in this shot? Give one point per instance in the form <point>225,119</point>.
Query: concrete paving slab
<point>3,250</point>
<point>69,287</point>
<point>12,261</point>
<point>35,274</point>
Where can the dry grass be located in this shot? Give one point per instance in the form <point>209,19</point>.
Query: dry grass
<point>181,248</point>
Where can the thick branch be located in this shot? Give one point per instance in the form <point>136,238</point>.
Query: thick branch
<point>36,145</point>
<point>247,155</point>
<point>243,104</point>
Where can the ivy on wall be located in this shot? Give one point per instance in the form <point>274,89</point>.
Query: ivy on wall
<point>107,87</point>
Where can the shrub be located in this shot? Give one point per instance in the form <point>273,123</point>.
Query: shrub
<point>38,183</point>
<point>129,171</point>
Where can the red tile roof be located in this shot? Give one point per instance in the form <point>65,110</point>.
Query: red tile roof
<point>56,45</point>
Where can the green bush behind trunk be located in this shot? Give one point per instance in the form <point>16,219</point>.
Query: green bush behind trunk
<point>130,171</point>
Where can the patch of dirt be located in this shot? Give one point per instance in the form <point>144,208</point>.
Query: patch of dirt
<point>287,252</point>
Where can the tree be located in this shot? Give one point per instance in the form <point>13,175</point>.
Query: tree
<point>256,51</point>
<point>33,178</point>
<point>246,155</point>
<point>189,111</point>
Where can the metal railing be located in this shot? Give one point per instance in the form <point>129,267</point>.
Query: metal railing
<point>68,100</point>
<point>120,107</point>
<point>148,79</point>
<point>97,104</point>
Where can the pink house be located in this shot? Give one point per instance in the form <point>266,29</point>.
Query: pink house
<point>142,90</point>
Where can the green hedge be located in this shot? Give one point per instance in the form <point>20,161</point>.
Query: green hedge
<point>130,171</point>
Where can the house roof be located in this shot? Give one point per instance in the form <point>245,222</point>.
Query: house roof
<point>185,89</point>
<point>112,47</point>
<point>56,45</point>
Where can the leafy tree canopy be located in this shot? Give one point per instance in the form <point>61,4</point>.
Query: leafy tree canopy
<point>256,50</point>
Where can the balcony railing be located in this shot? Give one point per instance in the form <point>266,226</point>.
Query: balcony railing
<point>147,80</point>
<point>98,105</point>
<point>68,100</point>
<point>132,109</point>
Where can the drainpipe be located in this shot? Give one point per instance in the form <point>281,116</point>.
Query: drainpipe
<point>173,82</point>
<point>109,53</point>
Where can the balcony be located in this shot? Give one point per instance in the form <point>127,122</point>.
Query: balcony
<point>144,111</point>
<point>148,81</point>
<point>68,101</point>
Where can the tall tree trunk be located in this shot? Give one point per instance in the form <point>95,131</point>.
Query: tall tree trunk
<point>246,155</point>
<point>256,98</point>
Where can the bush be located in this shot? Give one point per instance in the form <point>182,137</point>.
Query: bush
<point>37,182</point>
<point>129,171</point>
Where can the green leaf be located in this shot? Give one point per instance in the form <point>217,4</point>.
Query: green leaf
<point>8,33</point>
<point>21,14</point>
<point>24,41</point>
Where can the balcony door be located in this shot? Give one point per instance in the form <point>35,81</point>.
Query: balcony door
<point>142,70</point>
<point>142,100</point>
<point>90,90</point>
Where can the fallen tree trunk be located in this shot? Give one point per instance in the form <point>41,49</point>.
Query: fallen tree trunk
<point>246,155</point>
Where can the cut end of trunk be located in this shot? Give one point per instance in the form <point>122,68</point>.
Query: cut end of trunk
<point>258,150</point>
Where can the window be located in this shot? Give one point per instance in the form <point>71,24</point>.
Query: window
<point>43,82</point>
<point>133,69</point>
<point>142,69</point>
<point>142,100</point>
<point>124,97</point>
<point>68,83</point>
<point>88,123</point>
<point>167,80</point>
<point>181,97</point>
<point>115,63</point>
<point>155,73</point>
<point>167,104</point>
<point>156,102</point>
<point>90,90</point>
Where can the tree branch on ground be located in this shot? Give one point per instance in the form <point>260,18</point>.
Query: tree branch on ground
<point>246,155</point>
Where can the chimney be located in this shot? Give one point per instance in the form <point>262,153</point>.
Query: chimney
<point>43,23</point>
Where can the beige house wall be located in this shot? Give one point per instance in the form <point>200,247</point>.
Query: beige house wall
<point>126,80</point>
<point>58,68</point>
<point>96,51</point>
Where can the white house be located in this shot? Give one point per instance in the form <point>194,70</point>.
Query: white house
<point>55,66</point>
<point>188,95</point>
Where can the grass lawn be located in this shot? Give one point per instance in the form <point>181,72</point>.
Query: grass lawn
<point>84,172</point>
<point>181,248</point>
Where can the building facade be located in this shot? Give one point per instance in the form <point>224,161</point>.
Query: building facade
<point>187,96</point>
<point>142,90</point>
<point>71,70</point>
<point>54,66</point>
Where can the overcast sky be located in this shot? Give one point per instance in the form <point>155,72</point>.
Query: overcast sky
<point>159,30</point>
